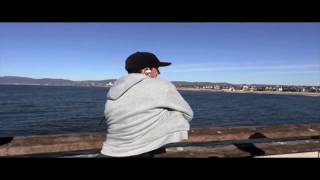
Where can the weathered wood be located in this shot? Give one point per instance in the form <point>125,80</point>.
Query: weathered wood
<point>24,145</point>
<point>243,150</point>
<point>252,132</point>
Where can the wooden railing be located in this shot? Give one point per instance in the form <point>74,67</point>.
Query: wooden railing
<point>242,141</point>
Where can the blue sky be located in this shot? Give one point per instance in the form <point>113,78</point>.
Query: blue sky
<point>268,53</point>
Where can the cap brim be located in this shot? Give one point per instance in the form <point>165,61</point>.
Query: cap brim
<point>164,64</point>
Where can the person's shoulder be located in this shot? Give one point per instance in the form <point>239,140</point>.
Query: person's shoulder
<point>163,81</point>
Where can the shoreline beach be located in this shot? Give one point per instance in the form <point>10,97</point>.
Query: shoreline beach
<point>254,92</point>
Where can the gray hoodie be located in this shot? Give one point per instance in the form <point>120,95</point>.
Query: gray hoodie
<point>144,114</point>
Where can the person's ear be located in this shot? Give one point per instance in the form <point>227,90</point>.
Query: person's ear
<point>147,72</point>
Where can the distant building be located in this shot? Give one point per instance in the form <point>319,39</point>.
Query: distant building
<point>207,87</point>
<point>217,87</point>
<point>268,88</point>
<point>245,88</point>
<point>253,88</point>
<point>109,84</point>
<point>231,89</point>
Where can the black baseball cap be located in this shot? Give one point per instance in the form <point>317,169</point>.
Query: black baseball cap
<point>140,60</point>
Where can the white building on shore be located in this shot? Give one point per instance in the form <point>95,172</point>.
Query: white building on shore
<point>109,84</point>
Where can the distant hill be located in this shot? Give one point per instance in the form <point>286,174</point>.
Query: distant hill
<point>15,80</point>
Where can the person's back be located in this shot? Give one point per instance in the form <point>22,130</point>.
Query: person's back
<point>143,114</point>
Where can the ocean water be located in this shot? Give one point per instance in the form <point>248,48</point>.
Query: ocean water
<point>26,110</point>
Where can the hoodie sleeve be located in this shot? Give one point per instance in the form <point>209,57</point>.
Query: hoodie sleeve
<point>176,102</point>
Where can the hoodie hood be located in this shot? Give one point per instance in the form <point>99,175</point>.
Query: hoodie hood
<point>123,84</point>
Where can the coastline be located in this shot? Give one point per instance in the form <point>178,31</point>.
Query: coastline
<point>194,89</point>
<point>254,92</point>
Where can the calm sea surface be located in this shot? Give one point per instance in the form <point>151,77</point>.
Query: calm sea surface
<point>26,110</point>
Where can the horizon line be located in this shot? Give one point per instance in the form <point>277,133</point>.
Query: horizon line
<point>171,81</point>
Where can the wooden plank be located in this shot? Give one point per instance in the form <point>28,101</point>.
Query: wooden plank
<point>243,150</point>
<point>253,132</point>
<point>24,145</point>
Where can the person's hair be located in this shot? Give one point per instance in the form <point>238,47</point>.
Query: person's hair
<point>134,71</point>
<point>137,70</point>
